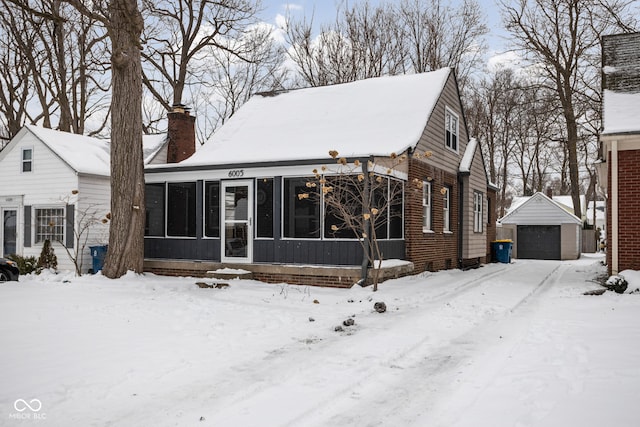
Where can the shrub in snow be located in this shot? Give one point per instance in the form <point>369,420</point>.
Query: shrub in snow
<point>48,258</point>
<point>26,264</point>
<point>617,284</point>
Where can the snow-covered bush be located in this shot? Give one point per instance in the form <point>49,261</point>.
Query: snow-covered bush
<point>617,284</point>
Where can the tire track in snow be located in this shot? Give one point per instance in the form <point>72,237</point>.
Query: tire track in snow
<point>394,391</point>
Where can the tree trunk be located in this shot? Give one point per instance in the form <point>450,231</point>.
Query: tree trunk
<point>126,233</point>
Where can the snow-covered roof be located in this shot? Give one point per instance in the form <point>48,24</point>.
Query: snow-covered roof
<point>467,159</point>
<point>565,202</point>
<point>621,112</point>
<point>538,210</point>
<point>376,116</point>
<point>89,155</point>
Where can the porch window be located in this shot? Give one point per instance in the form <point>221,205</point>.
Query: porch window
<point>27,159</point>
<point>477,212</point>
<point>181,209</point>
<point>426,206</point>
<point>396,205</point>
<point>301,215</point>
<point>349,190</point>
<point>50,225</point>
<point>212,209</point>
<point>451,129</point>
<point>446,208</point>
<point>264,208</point>
<point>154,202</point>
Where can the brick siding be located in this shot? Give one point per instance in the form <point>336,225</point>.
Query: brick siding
<point>437,250</point>
<point>628,211</point>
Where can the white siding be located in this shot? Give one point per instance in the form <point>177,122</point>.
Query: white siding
<point>49,183</point>
<point>93,205</point>
<point>539,210</point>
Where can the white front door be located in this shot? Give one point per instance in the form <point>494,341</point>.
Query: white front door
<point>237,215</point>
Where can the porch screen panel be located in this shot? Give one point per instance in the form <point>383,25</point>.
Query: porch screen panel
<point>396,217</point>
<point>181,209</point>
<point>212,209</point>
<point>264,208</point>
<point>301,214</point>
<point>350,191</point>
<point>154,202</point>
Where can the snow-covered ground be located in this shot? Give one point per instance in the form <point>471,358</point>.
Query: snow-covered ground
<point>503,345</point>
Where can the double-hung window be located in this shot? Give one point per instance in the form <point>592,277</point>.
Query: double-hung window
<point>426,206</point>
<point>451,124</point>
<point>477,212</point>
<point>49,225</point>
<point>27,160</point>
<point>446,209</point>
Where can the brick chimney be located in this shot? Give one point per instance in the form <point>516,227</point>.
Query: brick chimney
<point>550,192</point>
<point>181,134</point>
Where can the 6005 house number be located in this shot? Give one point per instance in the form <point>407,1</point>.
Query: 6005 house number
<point>238,173</point>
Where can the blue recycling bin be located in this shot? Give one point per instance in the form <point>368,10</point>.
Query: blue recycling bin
<point>98,253</point>
<point>502,250</point>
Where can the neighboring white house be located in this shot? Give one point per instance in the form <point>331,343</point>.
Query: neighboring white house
<point>542,228</point>
<point>51,182</point>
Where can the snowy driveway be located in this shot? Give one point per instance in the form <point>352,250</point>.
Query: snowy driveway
<point>504,345</point>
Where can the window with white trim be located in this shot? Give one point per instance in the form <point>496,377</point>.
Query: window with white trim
<point>451,124</point>
<point>426,206</point>
<point>27,160</point>
<point>477,212</point>
<point>49,225</point>
<point>446,208</point>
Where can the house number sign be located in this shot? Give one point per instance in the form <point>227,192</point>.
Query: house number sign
<point>237,173</point>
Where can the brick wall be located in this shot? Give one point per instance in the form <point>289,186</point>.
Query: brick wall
<point>628,208</point>
<point>437,250</point>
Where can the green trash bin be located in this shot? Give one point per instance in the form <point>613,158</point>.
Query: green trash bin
<point>502,250</point>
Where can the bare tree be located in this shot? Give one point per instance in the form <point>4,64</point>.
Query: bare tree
<point>388,39</point>
<point>561,36</point>
<point>229,81</point>
<point>179,37</point>
<point>61,57</point>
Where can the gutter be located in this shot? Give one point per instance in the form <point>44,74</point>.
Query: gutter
<point>460,215</point>
<point>614,207</point>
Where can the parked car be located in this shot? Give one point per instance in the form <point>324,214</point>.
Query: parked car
<point>8,270</point>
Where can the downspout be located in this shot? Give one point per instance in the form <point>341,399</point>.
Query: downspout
<point>366,249</point>
<point>614,207</point>
<point>460,218</point>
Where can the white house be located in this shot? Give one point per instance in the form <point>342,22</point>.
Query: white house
<point>51,184</point>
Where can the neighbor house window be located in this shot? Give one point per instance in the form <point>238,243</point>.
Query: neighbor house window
<point>212,209</point>
<point>426,206</point>
<point>451,129</point>
<point>446,208</point>
<point>477,212</point>
<point>181,209</point>
<point>49,225</point>
<point>264,208</point>
<point>301,209</point>
<point>27,159</point>
<point>154,202</point>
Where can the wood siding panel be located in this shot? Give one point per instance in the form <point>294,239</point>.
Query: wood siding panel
<point>474,244</point>
<point>433,137</point>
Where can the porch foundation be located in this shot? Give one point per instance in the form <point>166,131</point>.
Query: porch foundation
<point>310,275</point>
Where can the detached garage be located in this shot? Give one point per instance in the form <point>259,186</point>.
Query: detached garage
<point>543,229</point>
